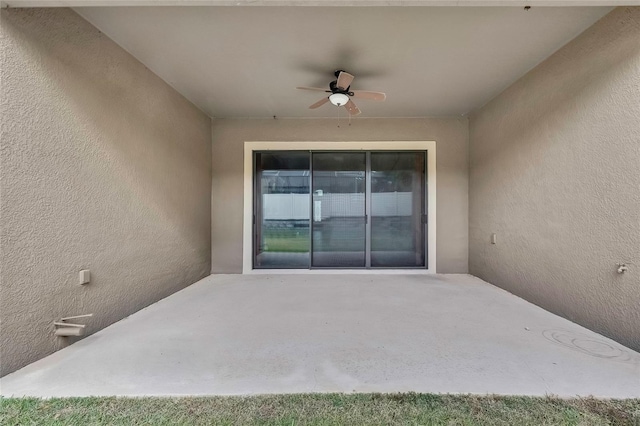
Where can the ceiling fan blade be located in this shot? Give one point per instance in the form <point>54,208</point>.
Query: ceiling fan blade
<point>344,80</point>
<point>317,89</point>
<point>319,103</point>
<point>374,96</point>
<point>352,108</point>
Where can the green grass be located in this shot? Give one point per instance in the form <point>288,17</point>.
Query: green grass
<point>286,240</point>
<point>336,238</point>
<point>321,409</point>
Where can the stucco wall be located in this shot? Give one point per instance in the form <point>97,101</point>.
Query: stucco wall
<point>555,173</point>
<point>103,166</point>
<point>450,134</point>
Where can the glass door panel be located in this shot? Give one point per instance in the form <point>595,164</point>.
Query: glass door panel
<point>282,209</point>
<point>397,209</point>
<point>338,214</point>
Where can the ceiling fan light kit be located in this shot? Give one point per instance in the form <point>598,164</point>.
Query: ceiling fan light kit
<point>341,94</point>
<point>338,99</point>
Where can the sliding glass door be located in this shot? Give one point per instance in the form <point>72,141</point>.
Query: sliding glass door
<point>281,209</point>
<point>397,209</point>
<point>340,209</point>
<point>338,225</point>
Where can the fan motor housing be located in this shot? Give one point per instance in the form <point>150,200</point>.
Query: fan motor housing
<point>335,89</point>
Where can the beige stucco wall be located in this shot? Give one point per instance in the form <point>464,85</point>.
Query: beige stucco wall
<point>555,173</point>
<point>103,166</point>
<point>450,134</point>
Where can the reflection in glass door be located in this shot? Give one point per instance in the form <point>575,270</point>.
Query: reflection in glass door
<point>282,205</point>
<point>339,232</point>
<point>363,209</point>
<point>397,209</point>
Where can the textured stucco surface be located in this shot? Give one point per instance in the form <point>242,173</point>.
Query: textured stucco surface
<point>555,173</point>
<point>450,134</point>
<point>103,166</point>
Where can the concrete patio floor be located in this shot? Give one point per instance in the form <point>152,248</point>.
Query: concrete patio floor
<point>254,334</point>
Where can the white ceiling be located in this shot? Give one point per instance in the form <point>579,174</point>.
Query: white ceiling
<point>430,61</point>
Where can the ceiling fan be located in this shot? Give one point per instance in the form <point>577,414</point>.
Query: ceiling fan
<point>341,93</point>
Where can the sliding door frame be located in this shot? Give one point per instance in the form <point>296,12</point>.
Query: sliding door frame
<point>250,147</point>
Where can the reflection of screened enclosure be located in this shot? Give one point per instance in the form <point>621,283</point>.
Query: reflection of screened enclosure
<point>285,182</point>
<point>339,182</point>
<point>339,209</point>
